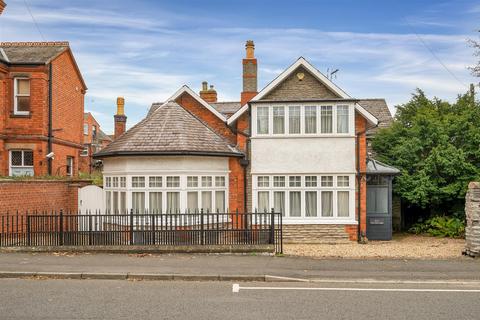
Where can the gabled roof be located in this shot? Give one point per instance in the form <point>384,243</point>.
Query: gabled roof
<point>318,75</point>
<point>170,130</point>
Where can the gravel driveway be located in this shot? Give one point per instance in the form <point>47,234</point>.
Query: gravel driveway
<point>403,246</point>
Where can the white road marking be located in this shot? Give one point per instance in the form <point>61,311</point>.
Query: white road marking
<point>236,288</point>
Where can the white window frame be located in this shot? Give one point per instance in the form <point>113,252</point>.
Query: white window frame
<point>11,167</point>
<point>70,164</point>
<point>16,94</point>
<point>318,106</point>
<point>85,129</point>
<point>303,219</point>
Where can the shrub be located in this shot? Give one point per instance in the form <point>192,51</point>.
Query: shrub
<point>441,226</point>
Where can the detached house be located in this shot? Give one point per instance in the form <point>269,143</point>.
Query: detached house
<point>297,146</point>
<point>41,109</point>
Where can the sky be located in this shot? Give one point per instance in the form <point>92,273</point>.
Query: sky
<point>145,50</point>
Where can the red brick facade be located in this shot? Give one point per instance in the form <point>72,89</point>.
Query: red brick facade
<point>31,131</point>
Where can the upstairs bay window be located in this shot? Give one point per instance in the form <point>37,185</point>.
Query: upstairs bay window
<point>21,103</point>
<point>311,120</point>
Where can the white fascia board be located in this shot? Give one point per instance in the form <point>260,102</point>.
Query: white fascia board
<point>367,115</point>
<point>186,89</point>
<point>237,114</point>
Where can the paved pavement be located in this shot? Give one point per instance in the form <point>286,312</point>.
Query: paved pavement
<point>113,299</point>
<point>245,265</point>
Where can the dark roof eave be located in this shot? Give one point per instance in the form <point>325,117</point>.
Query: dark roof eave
<point>166,153</point>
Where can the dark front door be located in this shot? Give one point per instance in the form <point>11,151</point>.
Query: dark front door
<point>379,208</point>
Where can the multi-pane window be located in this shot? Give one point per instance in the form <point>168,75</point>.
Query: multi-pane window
<point>155,182</point>
<point>310,119</point>
<point>21,162</point>
<point>192,182</point>
<point>21,104</point>
<point>310,181</point>
<point>220,181</point>
<point>342,119</point>
<point>308,197</point>
<point>85,129</point>
<point>279,181</point>
<point>278,120</point>
<point>262,120</point>
<point>138,182</point>
<point>295,181</point>
<point>173,182</point>
<point>84,152</point>
<point>294,120</point>
<point>343,181</point>
<point>327,181</point>
<point>123,182</point>
<point>115,182</point>
<point>108,182</point>
<point>326,119</point>
<point>206,181</point>
<point>263,181</point>
<point>69,166</point>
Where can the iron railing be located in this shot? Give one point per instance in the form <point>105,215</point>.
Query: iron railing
<point>64,228</point>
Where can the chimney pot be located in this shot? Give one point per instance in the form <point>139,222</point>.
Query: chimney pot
<point>120,119</point>
<point>120,106</point>
<point>204,86</point>
<point>208,94</point>
<point>250,49</point>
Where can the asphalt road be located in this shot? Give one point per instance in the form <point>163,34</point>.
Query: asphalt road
<point>112,299</point>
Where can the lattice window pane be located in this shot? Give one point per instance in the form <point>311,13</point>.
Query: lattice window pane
<point>28,158</point>
<point>16,158</point>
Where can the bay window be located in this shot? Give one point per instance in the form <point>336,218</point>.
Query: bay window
<point>309,198</point>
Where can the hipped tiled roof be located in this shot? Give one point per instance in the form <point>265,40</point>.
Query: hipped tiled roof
<point>170,130</point>
<point>31,52</point>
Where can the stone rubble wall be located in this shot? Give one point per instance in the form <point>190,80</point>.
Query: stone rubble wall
<point>472,228</point>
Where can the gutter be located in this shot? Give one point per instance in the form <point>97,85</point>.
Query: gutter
<point>166,153</point>
<point>50,108</point>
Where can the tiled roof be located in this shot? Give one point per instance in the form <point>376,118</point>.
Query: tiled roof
<point>102,136</point>
<point>170,130</point>
<point>31,52</point>
<point>227,108</point>
<point>379,108</point>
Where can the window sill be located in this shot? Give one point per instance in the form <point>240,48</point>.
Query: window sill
<point>316,220</point>
<point>14,115</point>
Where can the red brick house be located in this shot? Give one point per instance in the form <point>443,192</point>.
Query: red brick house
<point>41,109</point>
<point>298,146</point>
<point>94,140</point>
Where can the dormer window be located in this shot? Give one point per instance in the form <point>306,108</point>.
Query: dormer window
<point>21,103</point>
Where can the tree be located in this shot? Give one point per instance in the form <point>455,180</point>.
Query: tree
<point>436,145</point>
<point>476,46</point>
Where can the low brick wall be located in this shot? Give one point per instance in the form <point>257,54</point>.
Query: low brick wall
<point>319,233</point>
<point>40,195</point>
<point>472,211</point>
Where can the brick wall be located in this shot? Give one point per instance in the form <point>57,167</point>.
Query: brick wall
<point>39,195</point>
<point>361,181</point>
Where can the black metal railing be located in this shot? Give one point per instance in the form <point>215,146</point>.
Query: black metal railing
<point>64,228</point>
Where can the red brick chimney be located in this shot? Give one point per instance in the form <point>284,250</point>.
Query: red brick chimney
<point>2,6</point>
<point>249,73</point>
<point>208,94</point>
<point>120,118</point>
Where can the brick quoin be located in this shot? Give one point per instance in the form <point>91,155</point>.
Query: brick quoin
<point>361,181</point>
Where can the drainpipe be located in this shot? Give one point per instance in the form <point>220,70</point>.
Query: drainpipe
<point>360,236</point>
<point>49,148</point>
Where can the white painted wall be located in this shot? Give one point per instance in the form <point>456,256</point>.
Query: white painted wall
<point>164,164</point>
<point>303,155</point>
